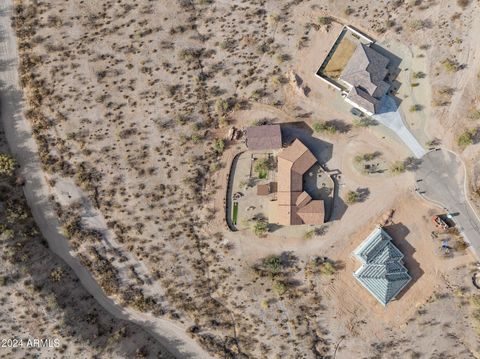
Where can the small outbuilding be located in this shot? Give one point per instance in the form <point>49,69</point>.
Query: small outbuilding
<point>263,189</point>
<point>265,137</point>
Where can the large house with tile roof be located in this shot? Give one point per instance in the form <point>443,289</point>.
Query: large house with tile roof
<point>295,206</point>
<point>366,76</point>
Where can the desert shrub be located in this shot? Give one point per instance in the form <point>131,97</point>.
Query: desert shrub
<point>415,108</point>
<point>280,287</point>
<point>323,127</point>
<point>364,122</point>
<point>218,145</point>
<point>221,106</point>
<point>450,65</point>
<point>419,75</point>
<point>466,138</point>
<point>474,114</point>
<point>260,227</point>
<point>475,301</point>
<point>7,164</point>
<point>463,3</point>
<point>417,24</point>
<point>352,197</point>
<point>262,165</point>
<point>57,274</point>
<point>324,20</point>
<point>397,167</point>
<point>460,245</point>
<point>327,268</point>
<point>366,157</point>
<point>272,263</point>
<point>309,234</point>
<point>348,11</point>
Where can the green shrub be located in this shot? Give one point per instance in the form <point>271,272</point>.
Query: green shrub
<point>221,106</point>
<point>262,165</point>
<point>327,268</point>
<point>466,138</point>
<point>218,145</point>
<point>352,197</point>
<point>323,127</point>
<point>260,227</point>
<point>272,263</point>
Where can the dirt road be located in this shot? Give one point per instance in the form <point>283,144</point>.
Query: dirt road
<point>37,191</point>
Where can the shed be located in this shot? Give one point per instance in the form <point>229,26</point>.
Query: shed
<point>265,137</point>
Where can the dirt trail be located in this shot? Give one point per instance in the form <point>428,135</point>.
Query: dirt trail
<point>24,149</point>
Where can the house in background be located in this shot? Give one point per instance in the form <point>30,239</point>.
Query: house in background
<point>366,77</point>
<point>295,206</point>
<point>382,272</point>
<point>265,137</point>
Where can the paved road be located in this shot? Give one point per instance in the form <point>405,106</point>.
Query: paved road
<point>442,180</point>
<point>390,117</point>
<point>24,149</point>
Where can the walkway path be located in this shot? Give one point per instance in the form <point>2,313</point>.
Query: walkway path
<point>441,177</point>
<point>24,149</point>
<point>390,117</point>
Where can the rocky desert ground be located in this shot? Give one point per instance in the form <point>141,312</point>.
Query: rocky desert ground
<point>130,104</point>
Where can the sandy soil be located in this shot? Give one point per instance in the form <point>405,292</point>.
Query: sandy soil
<point>128,102</point>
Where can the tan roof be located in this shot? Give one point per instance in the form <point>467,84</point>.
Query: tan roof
<point>287,215</point>
<point>266,137</point>
<point>287,198</point>
<point>299,156</point>
<point>293,162</point>
<point>288,180</point>
<point>313,212</point>
<point>303,199</point>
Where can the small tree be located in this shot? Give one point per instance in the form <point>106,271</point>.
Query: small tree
<point>7,164</point>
